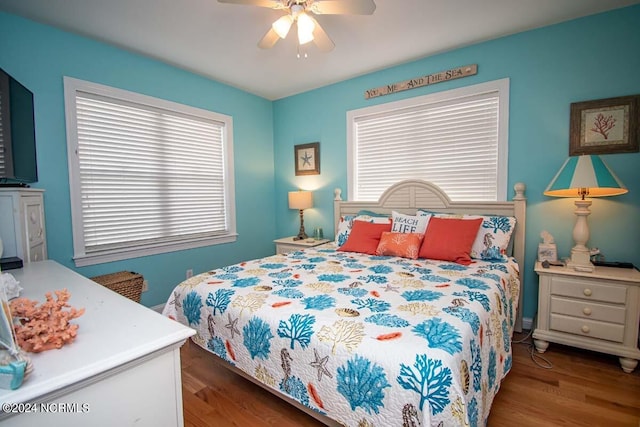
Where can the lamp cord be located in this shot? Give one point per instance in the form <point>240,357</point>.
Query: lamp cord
<point>536,357</point>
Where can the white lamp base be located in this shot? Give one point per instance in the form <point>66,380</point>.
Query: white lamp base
<point>579,266</point>
<point>580,254</point>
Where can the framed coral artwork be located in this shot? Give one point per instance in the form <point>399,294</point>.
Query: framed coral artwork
<point>605,126</point>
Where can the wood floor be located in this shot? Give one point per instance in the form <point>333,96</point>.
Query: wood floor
<point>582,389</point>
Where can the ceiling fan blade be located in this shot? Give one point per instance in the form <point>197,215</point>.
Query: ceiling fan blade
<point>272,4</point>
<point>321,39</point>
<point>343,7</point>
<point>269,39</point>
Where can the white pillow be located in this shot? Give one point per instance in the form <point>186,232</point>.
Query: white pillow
<point>493,237</point>
<point>409,223</point>
<point>344,228</point>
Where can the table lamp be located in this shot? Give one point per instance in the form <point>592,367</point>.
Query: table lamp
<point>579,177</point>
<point>300,200</point>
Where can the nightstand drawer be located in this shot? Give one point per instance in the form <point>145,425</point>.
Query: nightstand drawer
<point>588,310</point>
<point>285,249</point>
<point>586,289</point>
<point>587,328</point>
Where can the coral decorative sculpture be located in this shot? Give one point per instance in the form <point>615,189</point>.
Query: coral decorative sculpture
<point>47,326</point>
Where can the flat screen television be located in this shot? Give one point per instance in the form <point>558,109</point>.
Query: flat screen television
<point>18,164</point>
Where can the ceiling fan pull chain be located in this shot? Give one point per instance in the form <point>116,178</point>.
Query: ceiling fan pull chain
<point>302,52</point>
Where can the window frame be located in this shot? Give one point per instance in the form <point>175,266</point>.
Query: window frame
<point>81,258</point>
<point>500,87</point>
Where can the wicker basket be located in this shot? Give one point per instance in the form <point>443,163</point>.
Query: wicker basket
<point>126,283</point>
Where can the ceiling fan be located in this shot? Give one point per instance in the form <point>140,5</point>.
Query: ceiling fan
<point>299,12</point>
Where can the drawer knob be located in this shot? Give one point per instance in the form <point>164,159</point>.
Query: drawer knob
<point>33,217</point>
<point>585,329</point>
<point>587,292</point>
<point>586,311</point>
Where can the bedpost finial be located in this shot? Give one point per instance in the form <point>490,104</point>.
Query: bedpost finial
<point>337,194</point>
<point>519,188</point>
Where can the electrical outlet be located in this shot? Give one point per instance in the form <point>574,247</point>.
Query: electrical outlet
<point>189,273</point>
<point>145,285</point>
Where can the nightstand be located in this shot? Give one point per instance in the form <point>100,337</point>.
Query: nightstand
<point>598,311</point>
<point>287,244</point>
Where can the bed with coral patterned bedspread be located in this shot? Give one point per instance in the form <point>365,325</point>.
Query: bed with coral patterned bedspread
<point>362,339</point>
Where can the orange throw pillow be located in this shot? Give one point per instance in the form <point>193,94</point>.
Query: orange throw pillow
<point>450,239</point>
<point>364,237</point>
<point>405,245</point>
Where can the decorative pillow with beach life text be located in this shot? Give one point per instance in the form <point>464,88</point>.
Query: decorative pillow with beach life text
<point>409,223</point>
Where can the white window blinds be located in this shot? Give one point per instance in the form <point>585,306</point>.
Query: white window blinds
<point>148,176</point>
<point>453,139</point>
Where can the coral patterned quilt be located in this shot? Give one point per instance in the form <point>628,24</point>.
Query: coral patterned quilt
<point>365,340</point>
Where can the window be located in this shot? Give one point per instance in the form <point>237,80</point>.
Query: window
<point>456,139</point>
<point>146,175</point>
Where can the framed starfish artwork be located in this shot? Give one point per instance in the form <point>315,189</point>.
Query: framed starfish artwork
<point>307,158</point>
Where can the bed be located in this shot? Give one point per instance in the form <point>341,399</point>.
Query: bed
<point>362,339</point>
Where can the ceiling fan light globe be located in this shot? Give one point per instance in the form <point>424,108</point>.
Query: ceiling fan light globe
<point>304,38</point>
<point>282,26</point>
<point>305,23</point>
<point>305,28</point>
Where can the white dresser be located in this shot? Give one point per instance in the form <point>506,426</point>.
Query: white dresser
<point>123,369</point>
<point>22,227</point>
<point>598,311</point>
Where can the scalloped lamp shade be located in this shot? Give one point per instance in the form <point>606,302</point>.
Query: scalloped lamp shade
<point>580,177</point>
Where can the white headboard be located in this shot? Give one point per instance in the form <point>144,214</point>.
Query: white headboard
<point>410,195</point>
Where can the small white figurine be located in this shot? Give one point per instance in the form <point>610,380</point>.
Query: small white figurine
<point>547,250</point>
<point>547,237</point>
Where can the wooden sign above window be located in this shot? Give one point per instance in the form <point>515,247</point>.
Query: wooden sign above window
<point>442,76</point>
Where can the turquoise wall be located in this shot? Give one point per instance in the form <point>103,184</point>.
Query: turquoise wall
<point>39,56</point>
<point>590,58</point>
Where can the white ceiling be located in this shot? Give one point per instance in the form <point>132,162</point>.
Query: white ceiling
<point>220,40</point>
